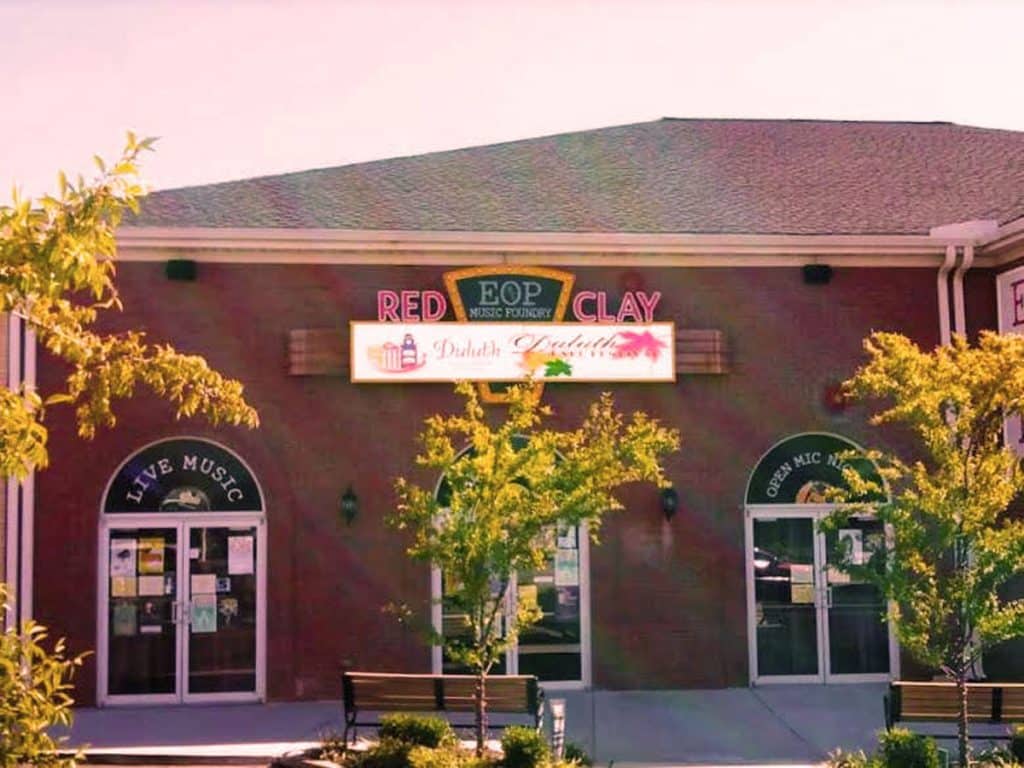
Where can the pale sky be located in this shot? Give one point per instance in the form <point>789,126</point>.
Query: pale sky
<point>240,89</point>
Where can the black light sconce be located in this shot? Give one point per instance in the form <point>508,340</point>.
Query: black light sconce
<point>817,274</point>
<point>180,269</point>
<point>669,502</point>
<point>349,505</point>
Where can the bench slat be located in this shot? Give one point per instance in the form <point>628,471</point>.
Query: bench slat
<point>384,692</point>
<point>940,702</point>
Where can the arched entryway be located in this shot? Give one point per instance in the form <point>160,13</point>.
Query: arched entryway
<point>808,621</point>
<point>182,577</point>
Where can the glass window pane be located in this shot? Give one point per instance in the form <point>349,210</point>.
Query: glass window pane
<point>784,594</point>
<point>858,636</point>
<point>222,609</point>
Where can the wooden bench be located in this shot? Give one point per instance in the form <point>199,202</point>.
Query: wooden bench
<point>378,692</point>
<point>938,702</point>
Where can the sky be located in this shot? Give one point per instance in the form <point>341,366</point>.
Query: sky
<point>242,89</point>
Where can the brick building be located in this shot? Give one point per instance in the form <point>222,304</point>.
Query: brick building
<point>210,563</point>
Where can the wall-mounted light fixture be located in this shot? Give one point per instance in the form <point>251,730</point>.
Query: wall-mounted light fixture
<point>349,505</point>
<point>669,502</point>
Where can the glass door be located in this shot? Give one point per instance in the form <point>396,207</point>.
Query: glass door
<point>551,649</point>
<point>182,617</point>
<point>786,599</point>
<point>809,621</point>
<point>143,613</point>
<point>220,653</point>
<point>856,636</point>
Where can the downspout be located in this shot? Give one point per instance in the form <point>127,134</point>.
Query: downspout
<point>943,286</point>
<point>977,670</point>
<point>959,316</point>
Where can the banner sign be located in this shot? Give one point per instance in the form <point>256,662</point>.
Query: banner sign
<point>1010,306</point>
<point>510,351</point>
<point>801,469</point>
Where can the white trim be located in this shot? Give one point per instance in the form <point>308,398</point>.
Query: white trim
<point>959,315</point>
<point>436,618</point>
<point>942,285</point>
<point>28,495</point>
<point>398,247</point>
<point>12,531</point>
<point>586,661</point>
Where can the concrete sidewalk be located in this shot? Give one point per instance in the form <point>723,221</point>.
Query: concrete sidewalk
<point>778,726</point>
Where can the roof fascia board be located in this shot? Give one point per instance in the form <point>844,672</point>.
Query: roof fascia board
<point>394,247</point>
<point>1007,245</point>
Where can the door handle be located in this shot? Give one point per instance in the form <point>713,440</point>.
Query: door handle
<point>180,613</point>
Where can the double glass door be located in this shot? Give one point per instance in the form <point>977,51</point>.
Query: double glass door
<point>181,609</point>
<point>809,621</point>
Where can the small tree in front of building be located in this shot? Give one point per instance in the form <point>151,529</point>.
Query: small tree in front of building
<point>508,487</point>
<point>953,544</point>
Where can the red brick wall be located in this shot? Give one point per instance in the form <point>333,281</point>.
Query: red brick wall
<point>668,599</point>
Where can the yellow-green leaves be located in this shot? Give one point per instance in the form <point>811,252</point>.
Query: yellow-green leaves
<point>35,695</point>
<point>506,487</point>
<point>57,274</point>
<point>953,543</point>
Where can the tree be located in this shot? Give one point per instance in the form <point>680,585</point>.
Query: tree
<point>57,274</point>
<point>34,696</point>
<point>953,542</point>
<point>516,482</point>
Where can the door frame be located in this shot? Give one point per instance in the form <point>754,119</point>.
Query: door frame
<point>182,522</point>
<point>814,512</point>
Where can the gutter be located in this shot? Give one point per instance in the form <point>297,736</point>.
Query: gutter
<point>959,315</point>
<point>297,246</point>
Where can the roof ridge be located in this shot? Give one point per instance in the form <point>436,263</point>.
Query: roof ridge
<point>669,118</point>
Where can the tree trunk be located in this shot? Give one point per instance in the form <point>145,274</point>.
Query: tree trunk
<point>961,720</point>
<point>480,712</point>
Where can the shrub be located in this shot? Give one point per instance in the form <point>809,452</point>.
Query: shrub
<point>840,759</point>
<point>387,753</point>
<point>524,748</point>
<point>995,757</point>
<point>443,757</point>
<point>417,730</point>
<point>34,695</point>
<point>1017,742</point>
<point>574,753</point>
<point>900,748</point>
<point>332,746</point>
